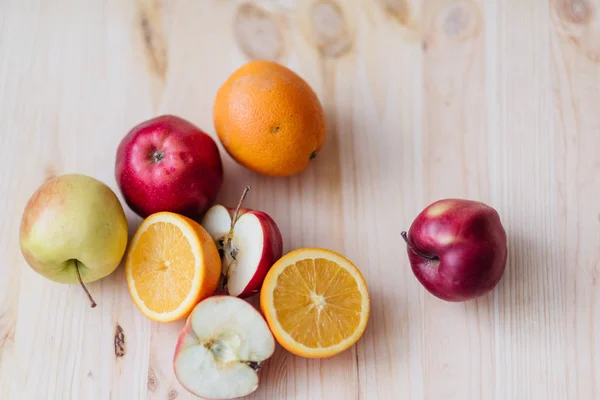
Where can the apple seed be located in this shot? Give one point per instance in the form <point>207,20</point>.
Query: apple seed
<point>254,365</point>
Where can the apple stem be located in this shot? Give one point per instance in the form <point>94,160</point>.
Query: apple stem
<point>239,206</point>
<point>83,285</point>
<point>427,256</point>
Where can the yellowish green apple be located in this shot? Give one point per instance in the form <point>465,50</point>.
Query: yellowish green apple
<point>73,230</point>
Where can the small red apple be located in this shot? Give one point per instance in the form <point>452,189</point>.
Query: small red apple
<point>457,249</point>
<point>249,242</point>
<point>168,164</point>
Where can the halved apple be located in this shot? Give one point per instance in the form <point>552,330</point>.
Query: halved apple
<point>221,348</point>
<point>249,242</point>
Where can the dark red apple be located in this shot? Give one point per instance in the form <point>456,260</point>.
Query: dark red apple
<point>169,164</point>
<point>457,249</point>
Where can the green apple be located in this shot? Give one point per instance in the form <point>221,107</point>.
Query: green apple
<point>73,230</point>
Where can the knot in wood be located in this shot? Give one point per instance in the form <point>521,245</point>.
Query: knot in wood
<point>152,380</point>
<point>459,20</point>
<point>257,33</point>
<point>330,31</point>
<point>574,11</point>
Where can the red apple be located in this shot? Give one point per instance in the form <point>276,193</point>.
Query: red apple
<point>249,242</point>
<point>457,249</point>
<point>221,348</point>
<point>168,164</point>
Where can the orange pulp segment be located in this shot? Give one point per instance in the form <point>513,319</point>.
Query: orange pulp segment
<point>316,302</point>
<point>171,265</point>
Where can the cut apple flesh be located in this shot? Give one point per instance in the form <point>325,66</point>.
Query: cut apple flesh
<point>241,251</point>
<point>217,222</point>
<point>245,255</point>
<point>221,348</point>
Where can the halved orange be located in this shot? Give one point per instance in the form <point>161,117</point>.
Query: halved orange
<point>172,264</point>
<point>315,302</point>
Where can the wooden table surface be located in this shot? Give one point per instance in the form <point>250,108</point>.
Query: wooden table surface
<point>497,101</point>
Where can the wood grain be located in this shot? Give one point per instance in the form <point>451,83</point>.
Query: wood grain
<point>425,99</point>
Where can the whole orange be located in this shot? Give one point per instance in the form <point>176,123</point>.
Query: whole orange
<point>269,119</point>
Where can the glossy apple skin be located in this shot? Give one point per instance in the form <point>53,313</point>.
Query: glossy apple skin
<point>469,240</point>
<point>187,179</point>
<point>272,250</point>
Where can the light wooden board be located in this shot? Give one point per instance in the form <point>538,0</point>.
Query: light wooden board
<point>491,100</point>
